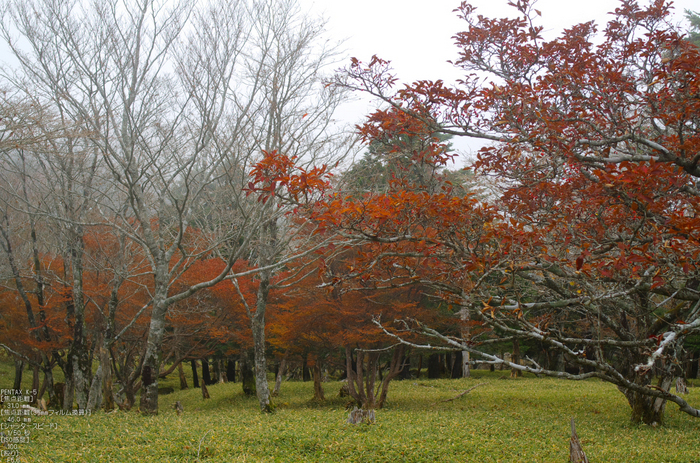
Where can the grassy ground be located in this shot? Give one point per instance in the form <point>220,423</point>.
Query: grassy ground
<point>523,420</point>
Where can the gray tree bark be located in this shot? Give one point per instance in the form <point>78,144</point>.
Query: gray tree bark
<point>258,327</point>
<point>280,373</point>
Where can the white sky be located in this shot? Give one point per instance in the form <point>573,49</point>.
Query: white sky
<point>416,35</point>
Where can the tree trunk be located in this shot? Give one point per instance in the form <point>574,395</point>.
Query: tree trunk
<point>405,367</point>
<point>394,369</point>
<point>107,385</point>
<point>42,389</point>
<point>221,371</point>
<point>464,317</point>
<point>247,376</point>
<point>106,351</point>
<point>305,374</point>
<point>693,365</point>
<point>54,400</point>
<point>78,354</point>
<point>68,386</point>
<point>149,390</point>
<point>216,377</point>
<point>370,377</point>
<point>19,368</point>
<point>60,391</point>
<point>206,374</point>
<point>646,409</point>
<point>434,366</point>
<point>205,391</point>
<point>151,358</point>
<point>514,372</point>
<point>318,386</point>
<point>231,370</point>
<point>128,379</point>
<point>560,361</point>
<point>181,374</point>
<point>258,327</point>
<point>361,380</point>
<point>95,396</point>
<point>280,373</point>
<point>354,374</point>
<point>681,386</point>
<point>457,365</point>
<point>466,367</point>
<point>98,391</point>
<point>195,378</point>
<point>130,396</point>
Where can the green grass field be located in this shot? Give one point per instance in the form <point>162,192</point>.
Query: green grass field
<point>523,420</point>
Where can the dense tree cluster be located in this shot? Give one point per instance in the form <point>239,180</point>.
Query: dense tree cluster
<point>591,247</point>
<point>167,176</point>
<point>129,132</point>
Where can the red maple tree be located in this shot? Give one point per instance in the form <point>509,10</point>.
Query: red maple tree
<point>591,246</point>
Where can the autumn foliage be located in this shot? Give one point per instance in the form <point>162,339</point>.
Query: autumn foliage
<point>590,247</point>
<point>585,247</point>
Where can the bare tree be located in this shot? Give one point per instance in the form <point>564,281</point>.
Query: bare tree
<point>175,104</point>
<point>294,117</point>
<point>47,182</point>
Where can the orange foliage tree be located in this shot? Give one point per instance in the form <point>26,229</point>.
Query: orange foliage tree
<point>213,321</point>
<point>591,246</point>
<point>323,320</point>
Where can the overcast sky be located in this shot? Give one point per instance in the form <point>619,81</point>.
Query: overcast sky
<point>416,35</point>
